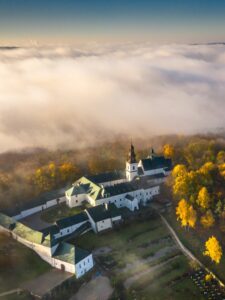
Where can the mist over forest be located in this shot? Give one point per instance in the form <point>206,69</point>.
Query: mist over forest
<point>74,97</point>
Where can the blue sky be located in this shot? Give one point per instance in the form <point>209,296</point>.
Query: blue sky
<point>68,21</point>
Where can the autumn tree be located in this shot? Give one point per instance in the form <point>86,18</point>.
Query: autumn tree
<point>67,171</point>
<point>179,170</point>
<point>192,216</point>
<point>203,199</point>
<point>186,214</point>
<point>220,158</point>
<point>168,151</point>
<point>207,220</point>
<point>213,249</point>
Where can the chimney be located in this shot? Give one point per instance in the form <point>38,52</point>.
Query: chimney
<point>106,206</point>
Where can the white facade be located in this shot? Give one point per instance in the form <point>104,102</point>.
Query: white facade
<point>104,225</point>
<point>68,230</point>
<point>84,266</point>
<point>75,200</point>
<point>131,170</point>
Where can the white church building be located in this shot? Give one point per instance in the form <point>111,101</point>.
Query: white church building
<point>136,186</point>
<point>106,194</point>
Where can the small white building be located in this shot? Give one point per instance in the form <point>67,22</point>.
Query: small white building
<point>70,224</point>
<point>103,217</point>
<point>72,259</point>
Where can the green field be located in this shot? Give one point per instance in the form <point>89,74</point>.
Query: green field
<point>18,264</point>
<point>133,251</point>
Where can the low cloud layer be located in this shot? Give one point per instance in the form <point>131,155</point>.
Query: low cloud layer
<point>63,97</point>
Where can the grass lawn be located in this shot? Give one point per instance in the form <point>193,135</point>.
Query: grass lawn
<point>195,240</point>
<point>18,264</point>
<point>126,237</point>
<point>60,211</point>
<point>167,282</point>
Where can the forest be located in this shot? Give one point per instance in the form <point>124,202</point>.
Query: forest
<point>31,172</point>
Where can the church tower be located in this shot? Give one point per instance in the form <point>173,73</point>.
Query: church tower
<point>131,164</point>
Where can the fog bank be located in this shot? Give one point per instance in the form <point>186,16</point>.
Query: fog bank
<point>68,97</point>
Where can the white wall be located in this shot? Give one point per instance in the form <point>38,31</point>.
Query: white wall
<point>104,224</point>
<point>68,230</point>
<point>84,266</point>
<point>131,170</point>
<point>36,209</point>
<point>76,200</point>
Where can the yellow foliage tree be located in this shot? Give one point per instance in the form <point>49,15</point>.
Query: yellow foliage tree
<point>182,212</point>
<point>208,277</point>
<point>213,249</point>
<point>203,199</point>
<point>179,170</point>
<point>192,216</point>
<point>67,171</point>
<point>208,219</point>
<point>186,214</point>
<point>168,151</point>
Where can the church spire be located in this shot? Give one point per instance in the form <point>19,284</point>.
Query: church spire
<point>131,156</point>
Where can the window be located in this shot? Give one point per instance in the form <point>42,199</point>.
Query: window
<point>133,167</point>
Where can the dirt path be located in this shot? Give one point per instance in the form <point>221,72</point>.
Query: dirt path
<point>129,281</point>
<point>10,292</point>
<point>96,289</point>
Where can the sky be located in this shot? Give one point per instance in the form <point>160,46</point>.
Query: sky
<point>31,22</point>
<point>66,97</point>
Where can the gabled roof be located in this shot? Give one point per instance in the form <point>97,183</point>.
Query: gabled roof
<point>33,236</point>
<point>69,221</point>
<point>6,221</point>
<point>140,171</point>
<point>70,254</point>
<point>156,162</point>
<point>53,229</point>
<point>85,185</point>
<point>127,187</point>
<point>107,177</point>
<point>100,212</point>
